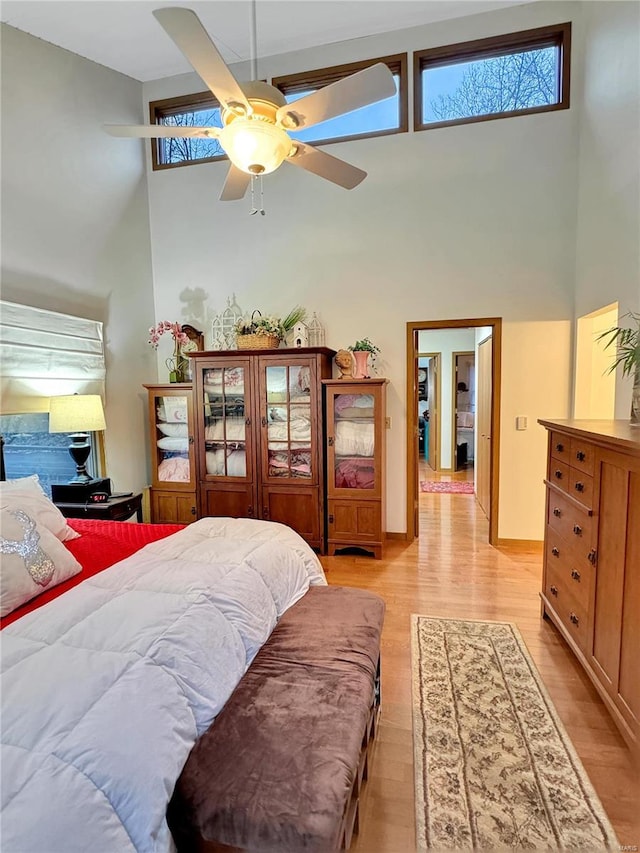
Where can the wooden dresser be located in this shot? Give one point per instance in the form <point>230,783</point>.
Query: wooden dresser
<point>591,580</point>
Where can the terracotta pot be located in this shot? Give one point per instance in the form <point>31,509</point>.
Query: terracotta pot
<point>362,364</point>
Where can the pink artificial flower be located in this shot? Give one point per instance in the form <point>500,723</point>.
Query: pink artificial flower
<point>155,333</point>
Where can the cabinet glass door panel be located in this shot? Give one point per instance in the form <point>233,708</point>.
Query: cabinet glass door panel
<point>224,422</point>
<point>174,463</point>
<point>288,421</point>
<point>354,437</point>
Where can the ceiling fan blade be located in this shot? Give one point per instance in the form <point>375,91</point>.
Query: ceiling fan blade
<point>235,185</point>
<point>184,27</point>
<point>154,131</point>
<point>326,166</point>
<point>358,90</point>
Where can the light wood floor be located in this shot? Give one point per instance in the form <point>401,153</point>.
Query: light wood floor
<point>452,571</point>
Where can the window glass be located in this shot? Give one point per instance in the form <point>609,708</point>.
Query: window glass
<point>381,116</point>
<point>498,85</point>
<point>503,76</point>
<point>29,448</point>
<point>182,150</point>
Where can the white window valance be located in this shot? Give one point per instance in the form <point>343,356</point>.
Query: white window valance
<point>44,354</point>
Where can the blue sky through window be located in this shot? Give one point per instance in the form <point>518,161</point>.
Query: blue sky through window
<point>483,86</point>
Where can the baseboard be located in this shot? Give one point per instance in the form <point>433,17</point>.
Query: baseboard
<point>530,544</point>
<point>403,537</point>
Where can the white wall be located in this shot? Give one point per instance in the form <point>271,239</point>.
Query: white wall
<point>608,216</point>
<point>533,386</point>
<point>469,221</point>
<point>446,342</point>
<point>75,228</point>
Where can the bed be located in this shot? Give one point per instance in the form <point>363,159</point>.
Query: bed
<point>109,678</point>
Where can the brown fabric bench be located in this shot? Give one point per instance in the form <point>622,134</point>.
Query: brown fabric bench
<point>281,767</point>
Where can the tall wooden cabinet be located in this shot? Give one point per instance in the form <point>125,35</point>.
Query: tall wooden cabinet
<point>259,436</point>
<point>355,438</point>
<point>173,468</point>
<point>591,582</point>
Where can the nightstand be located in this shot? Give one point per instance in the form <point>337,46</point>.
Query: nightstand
<point>115,509</point>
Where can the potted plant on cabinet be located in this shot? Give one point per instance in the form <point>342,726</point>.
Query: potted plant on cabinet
<point>627,346</point>
<point>362,351</point>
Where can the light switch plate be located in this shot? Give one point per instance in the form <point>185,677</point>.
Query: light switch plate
<point>521,422</point>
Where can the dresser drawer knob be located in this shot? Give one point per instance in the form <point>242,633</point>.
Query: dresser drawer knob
<point>558,475</point>
<point>560,447</point>
<point>554,590</point>
<point>579,487</point>
<point>555,551</point>
<point>577,530</point>
<point>581,456</point>
<point>574,619</point>
<point>575,574</point>
<point>557,511</point>
<point>592,556</point>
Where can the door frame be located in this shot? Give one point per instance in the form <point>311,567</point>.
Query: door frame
<point>411,402</point>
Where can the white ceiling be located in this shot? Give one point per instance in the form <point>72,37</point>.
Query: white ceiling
<point>124,35</point>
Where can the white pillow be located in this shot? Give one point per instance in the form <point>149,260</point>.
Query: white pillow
<point>34,502</point>
<point>181,445</point>
<point>32,559</point>
<point>174,430</point>
<point>32,483</point>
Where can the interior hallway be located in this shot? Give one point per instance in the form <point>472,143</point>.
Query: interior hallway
<point>451,571</point>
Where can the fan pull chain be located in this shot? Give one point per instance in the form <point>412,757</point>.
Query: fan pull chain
<point>254,209</point>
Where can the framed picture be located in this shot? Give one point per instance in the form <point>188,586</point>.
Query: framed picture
<point>196,339</point>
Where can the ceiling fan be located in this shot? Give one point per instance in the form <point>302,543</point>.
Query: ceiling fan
<point>256,119</point>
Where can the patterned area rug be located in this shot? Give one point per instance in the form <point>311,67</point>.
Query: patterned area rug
<point>455,487</point>
<point>494,767</point>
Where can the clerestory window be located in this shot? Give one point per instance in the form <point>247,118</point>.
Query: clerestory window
<point>516,74</point>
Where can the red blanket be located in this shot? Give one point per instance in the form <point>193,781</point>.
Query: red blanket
<point>101,544</point>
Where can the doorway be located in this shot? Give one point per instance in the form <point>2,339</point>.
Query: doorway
<point>428,390</point>
<point>463,411</point>
<point>483,329</point>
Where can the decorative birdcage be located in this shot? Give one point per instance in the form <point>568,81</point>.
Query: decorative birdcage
<point>315,332</point>
<point>223,326</point>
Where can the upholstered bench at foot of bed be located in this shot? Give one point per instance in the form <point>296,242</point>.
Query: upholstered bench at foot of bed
<point>280,769</point>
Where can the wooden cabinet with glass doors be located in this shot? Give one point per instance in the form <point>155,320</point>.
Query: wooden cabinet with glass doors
<point>259,436</point>
<point>173,468</point>
<point>355,437</point>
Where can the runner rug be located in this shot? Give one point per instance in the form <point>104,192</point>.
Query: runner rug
<point>494,767</point>
<point>455,487</point>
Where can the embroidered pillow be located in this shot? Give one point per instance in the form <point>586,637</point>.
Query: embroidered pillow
<point>32,558</point>
<point>174,430</point>
<point>30,498</point>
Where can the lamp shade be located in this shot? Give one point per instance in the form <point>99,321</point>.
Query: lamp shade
<point>76,413</point>
<point>255,147</point>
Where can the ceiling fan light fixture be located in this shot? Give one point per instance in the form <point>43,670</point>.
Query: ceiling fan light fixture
<point>255,147</point>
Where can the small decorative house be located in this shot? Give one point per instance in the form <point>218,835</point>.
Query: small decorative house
<point>298,336</point>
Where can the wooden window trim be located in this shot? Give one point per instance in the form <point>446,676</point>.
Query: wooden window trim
<point>557,35</point>
<point>321,77</point>
<point>175,106</point>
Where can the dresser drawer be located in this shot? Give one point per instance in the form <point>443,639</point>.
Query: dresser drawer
<point>569,610</point>
<point>569,572</point>
<point>573,524</point>
<point>581,487</point>
<point>560,446</point>
<point>559,474</point>
<point>582,456</point>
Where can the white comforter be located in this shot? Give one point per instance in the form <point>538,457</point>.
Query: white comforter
<point>105,689</point>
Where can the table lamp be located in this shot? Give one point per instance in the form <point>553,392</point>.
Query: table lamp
<point>78,414</point>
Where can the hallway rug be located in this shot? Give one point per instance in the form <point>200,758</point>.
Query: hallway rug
<point>455,487</point>
<point>494,766</point>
